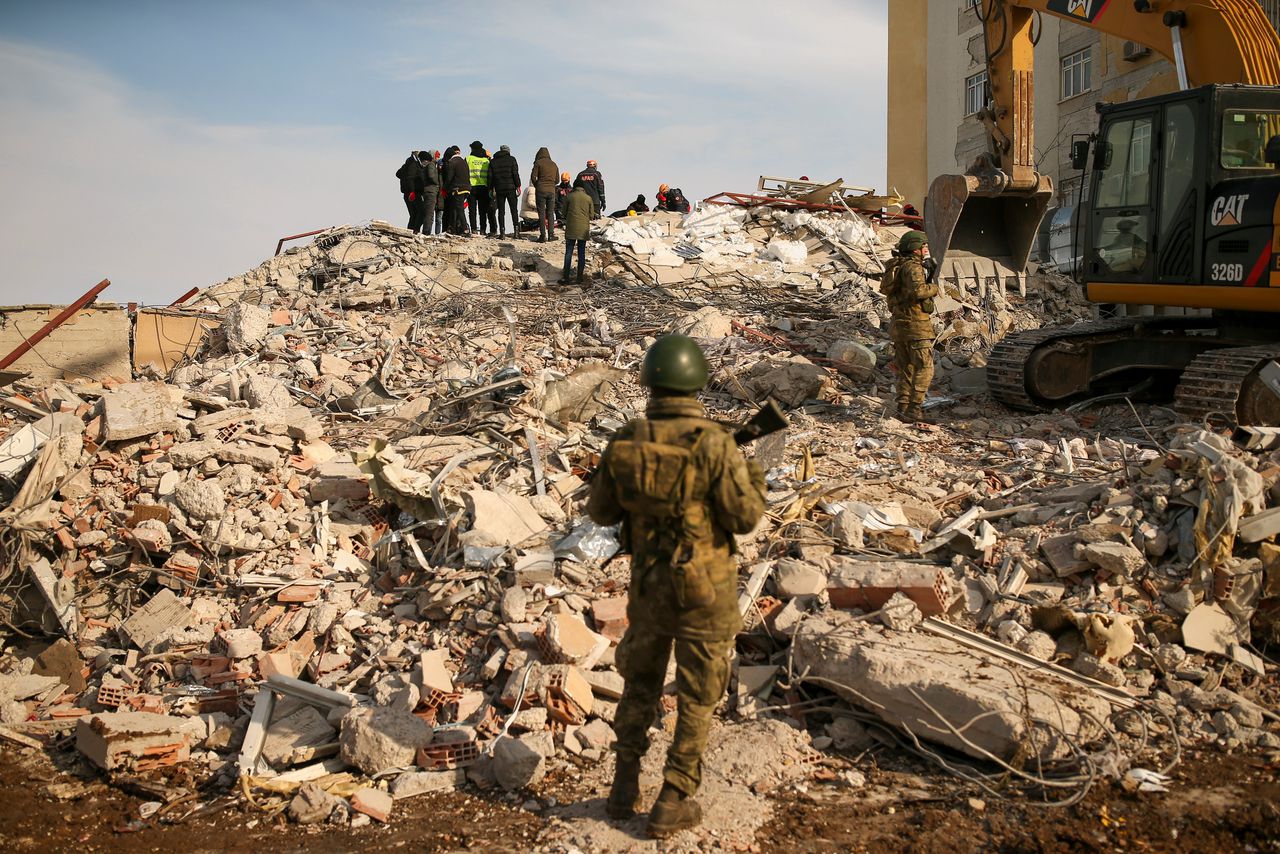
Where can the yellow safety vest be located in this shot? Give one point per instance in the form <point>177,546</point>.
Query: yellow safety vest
<point>478,167</point>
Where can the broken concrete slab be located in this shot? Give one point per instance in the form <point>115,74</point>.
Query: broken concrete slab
<point>500,519</point>
<point>924,683</point>
<point>163,612</point>
<point>381,739</point>
<point>793,578</point>
<point>303,728</point>
<point>312,804</point>
<point>132,741</point>
<point>412,783</point>
<point>516,763</point>
<point>134,410</point>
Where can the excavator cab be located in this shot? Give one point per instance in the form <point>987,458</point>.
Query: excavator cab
<point>1182,201</point>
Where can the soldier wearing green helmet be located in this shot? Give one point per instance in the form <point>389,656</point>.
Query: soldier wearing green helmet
<point>681,489</point>
<point>910,294</point>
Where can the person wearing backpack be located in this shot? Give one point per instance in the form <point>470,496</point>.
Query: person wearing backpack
<point>681,490</point>
<point>412,188</point>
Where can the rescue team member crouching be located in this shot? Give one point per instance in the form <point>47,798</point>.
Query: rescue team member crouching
<point>681,489</point>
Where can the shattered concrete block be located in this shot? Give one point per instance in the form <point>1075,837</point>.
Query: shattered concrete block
<point>707,322</point>
<point>606,683</point>
<point>900,613</point>
<point>596,735</point>
<point>412,783</point>
<point>516,764</point>
<point>379,739</point>
<point>163,612</point>
<point>513,605</point>
<point>1115,558</point>
<point>500,519</point>
<point>266,392</point>
<point>187,454</point>
<point>854,360</point>
<point>201,499</point>
<point>312,804</point>
<point>610,617</point>
<point>910,679</point>
<point>245,327</point>
<point>374,803</point>
<point>261,459</point>
<point>793,578</point>
<point>574,398</point>
<point>306,727</point>
<point>1093,667</point>
<point>1038,644</point>
<point>568,640</point>
<point>242,643</point>
<point>789,381</point>
<point>433,675</point>
<point>132,741</point>
<point>140,409</point>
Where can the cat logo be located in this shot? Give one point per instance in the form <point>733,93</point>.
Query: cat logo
<point>1228,210</point>
<point>1088,10</point>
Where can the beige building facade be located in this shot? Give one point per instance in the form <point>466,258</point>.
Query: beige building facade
<point>937,76</point>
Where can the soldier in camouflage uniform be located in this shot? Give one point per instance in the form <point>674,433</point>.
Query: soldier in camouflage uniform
<point>681,489</point>
<point>905,284</point>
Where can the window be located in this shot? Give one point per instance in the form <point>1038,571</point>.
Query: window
<point>966,5</point>
<point>1126,164</point>
<point>1244,138</point>
<point>976,93</point>
<point>1077,73</point>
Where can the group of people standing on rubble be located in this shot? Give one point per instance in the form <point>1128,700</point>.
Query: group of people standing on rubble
<point>472,194</point>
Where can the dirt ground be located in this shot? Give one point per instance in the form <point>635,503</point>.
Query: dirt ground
<point>764,791</point>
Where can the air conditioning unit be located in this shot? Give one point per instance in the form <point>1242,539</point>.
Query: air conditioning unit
<point>1133,51</point>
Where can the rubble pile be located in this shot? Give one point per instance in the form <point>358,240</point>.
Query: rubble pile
<point>338,558</point>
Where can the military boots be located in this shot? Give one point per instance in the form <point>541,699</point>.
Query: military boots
<point>626,790</point>
<point>673,812</point>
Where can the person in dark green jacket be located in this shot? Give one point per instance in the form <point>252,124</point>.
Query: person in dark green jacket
<point>579,210</point>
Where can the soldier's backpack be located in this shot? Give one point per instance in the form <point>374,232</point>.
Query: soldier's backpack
<point>653,479</point>
<point>656,481</point>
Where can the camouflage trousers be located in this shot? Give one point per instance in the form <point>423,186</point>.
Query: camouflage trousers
<point>914,358</point>
<point>702,674</point>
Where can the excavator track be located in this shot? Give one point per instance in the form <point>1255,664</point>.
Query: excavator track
<point>1223,384</point>
<point>1007,364</point>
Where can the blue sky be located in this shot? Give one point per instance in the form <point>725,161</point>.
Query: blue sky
<point>167,145</point>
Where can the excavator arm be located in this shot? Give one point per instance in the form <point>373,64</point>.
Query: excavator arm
<point>983,223</point>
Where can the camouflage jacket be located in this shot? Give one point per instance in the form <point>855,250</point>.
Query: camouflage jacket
<point>910,295</point>
<point>683,567</point>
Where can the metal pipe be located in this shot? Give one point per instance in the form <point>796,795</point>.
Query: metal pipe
<point>1180,59</point>
<point>63,316</point>
<point>189,294</point>
<point>280,243</point>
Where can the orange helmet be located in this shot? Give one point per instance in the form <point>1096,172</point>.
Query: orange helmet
<point>564,176</point>
<point>662,188</point>
<point>591,164</point>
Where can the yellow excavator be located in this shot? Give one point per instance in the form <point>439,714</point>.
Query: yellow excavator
<point>1183,209</point>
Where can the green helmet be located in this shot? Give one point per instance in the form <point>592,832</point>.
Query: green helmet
<point>675,362</point>
<point>911,241</point>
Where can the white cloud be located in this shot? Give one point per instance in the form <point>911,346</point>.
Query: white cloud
<point>103,178</point>
<point>99,183</point>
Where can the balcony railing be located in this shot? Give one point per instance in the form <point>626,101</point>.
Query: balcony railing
<point>1272,8</point>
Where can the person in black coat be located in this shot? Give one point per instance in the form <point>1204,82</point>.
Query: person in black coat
<point>430,189</point>
<point>593,183</point>
<point>413,188</point>
<point>504,178</point>
<point>457,187</point>
<point>677,202</point>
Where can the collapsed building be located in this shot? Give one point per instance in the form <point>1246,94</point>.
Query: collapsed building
<point>326,549</point>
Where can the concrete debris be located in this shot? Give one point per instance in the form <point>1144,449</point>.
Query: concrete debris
<point>342,534</point>
<point>378,740</point>
<point>132,741</point>
<point>312,804</point>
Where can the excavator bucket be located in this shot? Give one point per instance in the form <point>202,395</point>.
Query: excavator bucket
<point>977,233</point>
